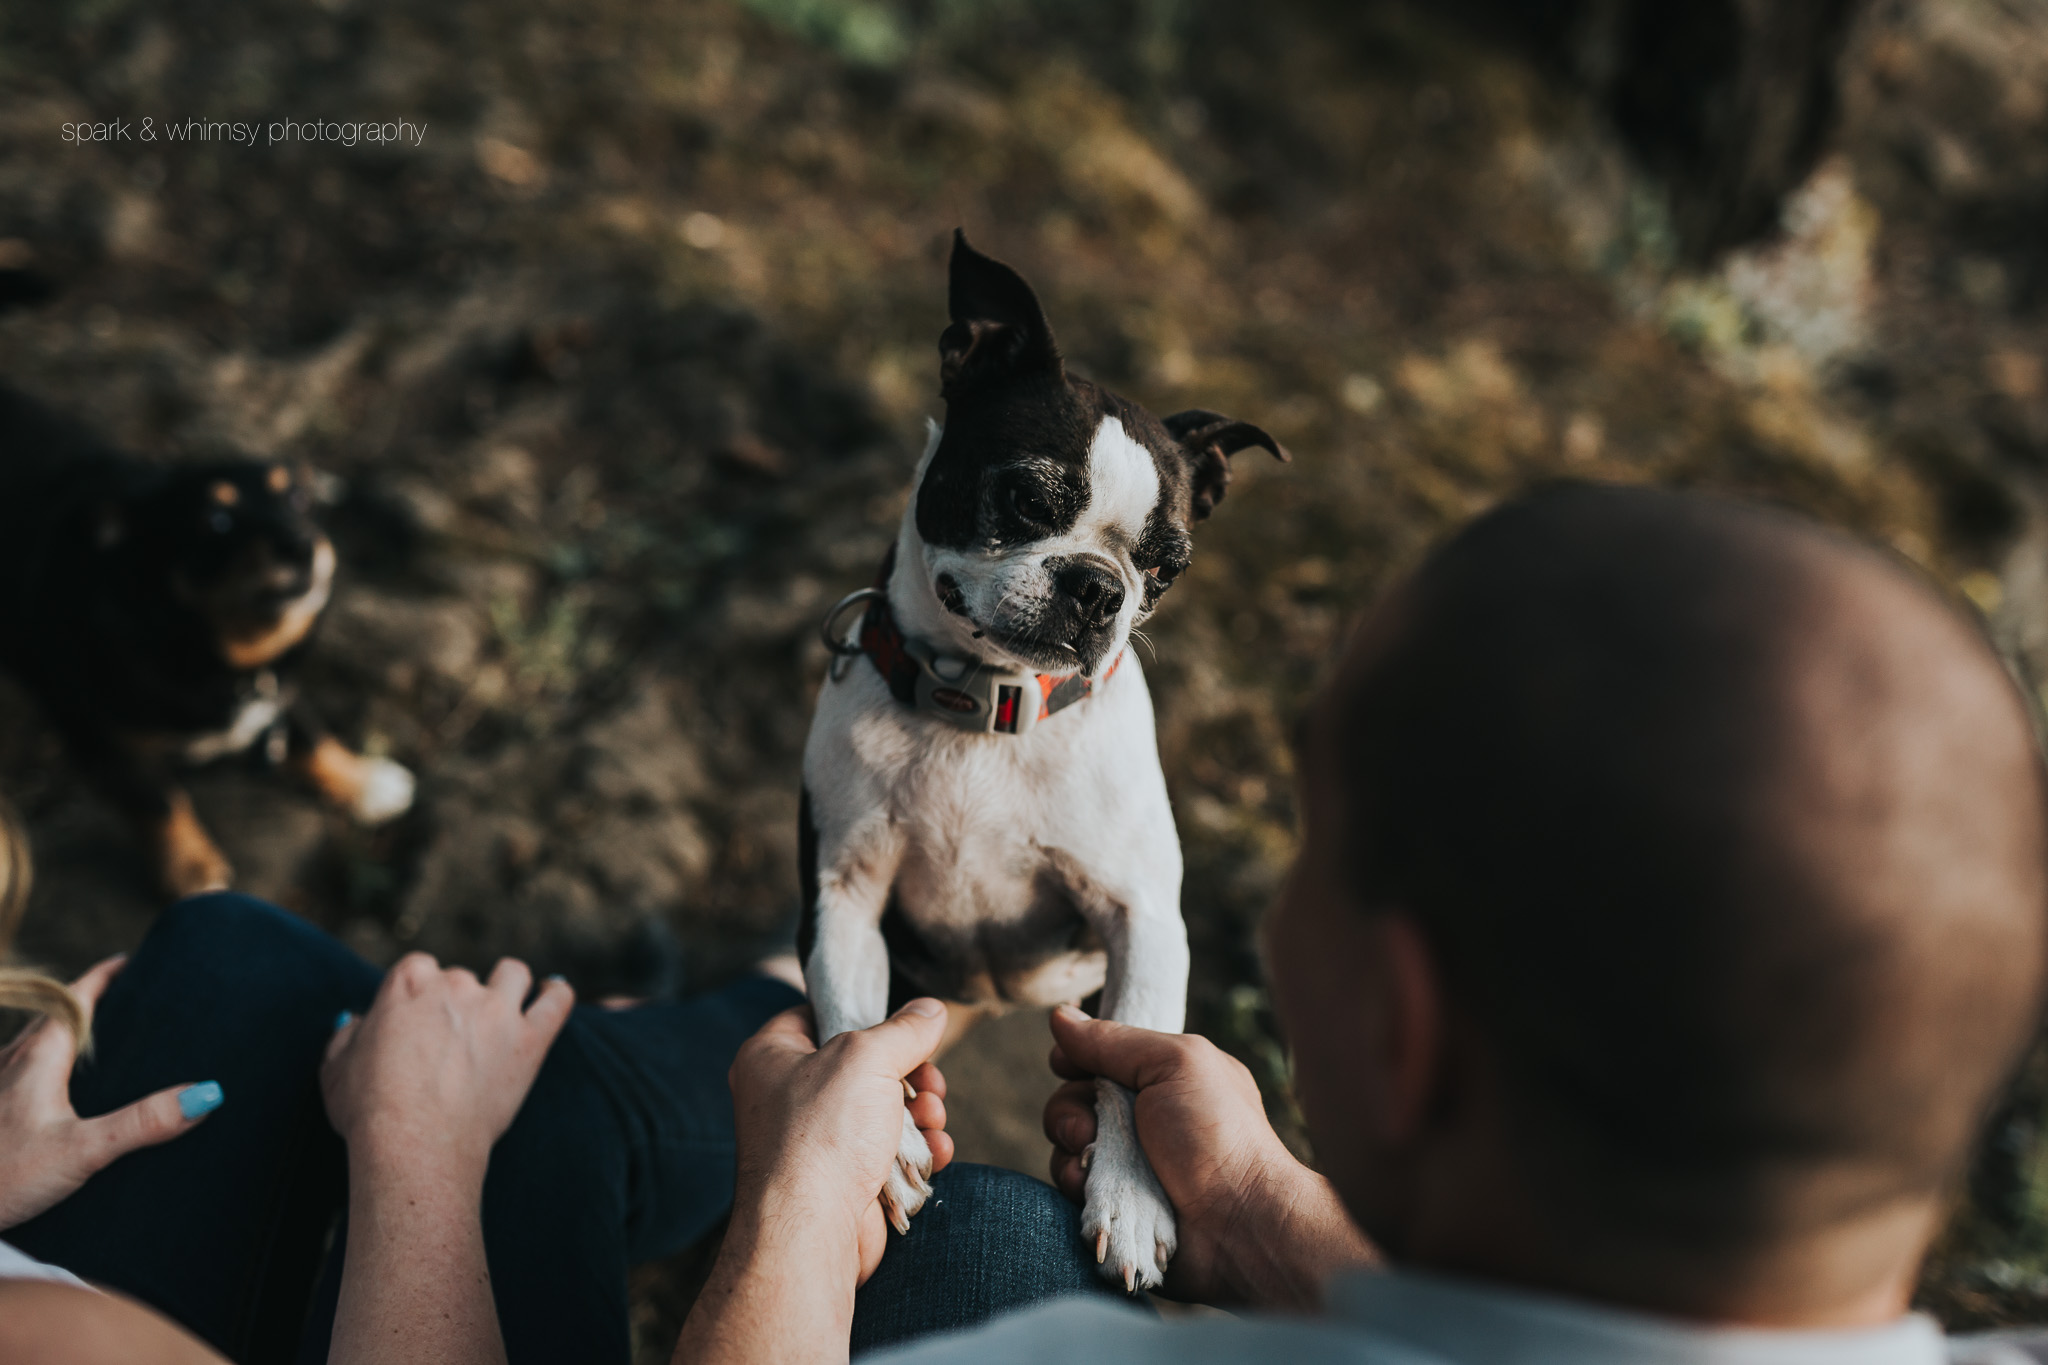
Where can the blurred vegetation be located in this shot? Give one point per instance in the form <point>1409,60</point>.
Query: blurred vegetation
<point>624,370</point>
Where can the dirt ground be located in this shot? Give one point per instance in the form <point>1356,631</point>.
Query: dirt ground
<point>621,369</point>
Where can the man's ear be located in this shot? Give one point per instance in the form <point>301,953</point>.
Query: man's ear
<point>1408,1045</point>
<point>999,330</point>
<point>1210,439</point>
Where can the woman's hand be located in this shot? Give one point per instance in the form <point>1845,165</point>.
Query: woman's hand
<point>436,1070</point>
<point>46,1150</point>
<point>421,1088</point>
<point>818,1127</point>
<point>1256,1226</point>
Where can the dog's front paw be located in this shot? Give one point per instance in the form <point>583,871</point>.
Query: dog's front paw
<point>195,871</point>
<point>909,1183</point>
<point>188,863</point>
<point>384,792</point>
<point>1127,1218</point>
<point>1129,1222</point>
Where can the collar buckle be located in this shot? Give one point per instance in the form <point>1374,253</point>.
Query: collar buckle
<point>969,695</point>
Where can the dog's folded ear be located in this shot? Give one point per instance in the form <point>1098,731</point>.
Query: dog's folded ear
<point>1210,439</point>
<point>999,330</point>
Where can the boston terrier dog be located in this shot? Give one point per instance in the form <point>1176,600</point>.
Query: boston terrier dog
<point>156,611</point>
<point>984,818</point>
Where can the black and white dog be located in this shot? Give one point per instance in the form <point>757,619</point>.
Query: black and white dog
<point>984,818</point>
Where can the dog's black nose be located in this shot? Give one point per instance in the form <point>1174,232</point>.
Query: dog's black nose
<point>1098,593</point>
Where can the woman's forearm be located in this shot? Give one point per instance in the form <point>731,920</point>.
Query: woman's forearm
<point>414,1283</point>
<point>782,1291</point>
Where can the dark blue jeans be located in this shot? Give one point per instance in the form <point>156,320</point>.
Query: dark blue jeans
<point>989,1241</point>
<point>622,1153</point>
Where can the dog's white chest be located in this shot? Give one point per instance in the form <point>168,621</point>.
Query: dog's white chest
<point>256,713</point>
<point>1002,838</point>
<point>983,885</point>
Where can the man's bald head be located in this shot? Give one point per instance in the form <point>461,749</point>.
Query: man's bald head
<point>1727,832</point>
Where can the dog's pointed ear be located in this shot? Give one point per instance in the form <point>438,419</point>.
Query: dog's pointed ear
<point>998,331</point>
<point>110,527</point>
<point>1210,439</point>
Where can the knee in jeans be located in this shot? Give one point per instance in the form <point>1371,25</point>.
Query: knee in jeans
<point>234,940</point>
<point>1025,1205</point>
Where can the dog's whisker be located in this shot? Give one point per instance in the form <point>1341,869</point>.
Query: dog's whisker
<point>1001,603</point>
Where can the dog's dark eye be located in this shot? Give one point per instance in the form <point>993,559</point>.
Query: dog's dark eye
<point>219,522</point>
<point>1029,506</point>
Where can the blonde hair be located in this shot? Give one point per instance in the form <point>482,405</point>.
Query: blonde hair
<point>23,988</point>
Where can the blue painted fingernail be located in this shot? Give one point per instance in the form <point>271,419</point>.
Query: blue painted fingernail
<point>197,1101</point>
<point>343,1020</point>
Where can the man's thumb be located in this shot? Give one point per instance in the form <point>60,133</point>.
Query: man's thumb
<point>148,1121</point>
<point>910,1036</point>
<point>1132,1057</point>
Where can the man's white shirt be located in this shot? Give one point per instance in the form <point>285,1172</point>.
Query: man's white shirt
<point>1408,1318</point>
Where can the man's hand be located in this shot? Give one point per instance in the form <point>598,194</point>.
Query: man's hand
<point>818,1131</point>
<point>1256,1226</point>
<point>46,1150</point>
<point>819,1127</point>
<point>440,1065</point>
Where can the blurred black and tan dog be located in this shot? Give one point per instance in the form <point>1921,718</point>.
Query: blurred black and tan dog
<point>156,611</point>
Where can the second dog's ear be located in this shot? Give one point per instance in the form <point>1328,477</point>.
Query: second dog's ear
<point>1210,439</point>
<point>110,528</point>
<point>999,330</point>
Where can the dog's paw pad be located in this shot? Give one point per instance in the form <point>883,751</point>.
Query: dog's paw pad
<point>909,1183</point>
<point>1130,1225</point>
<point>386,792</point>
